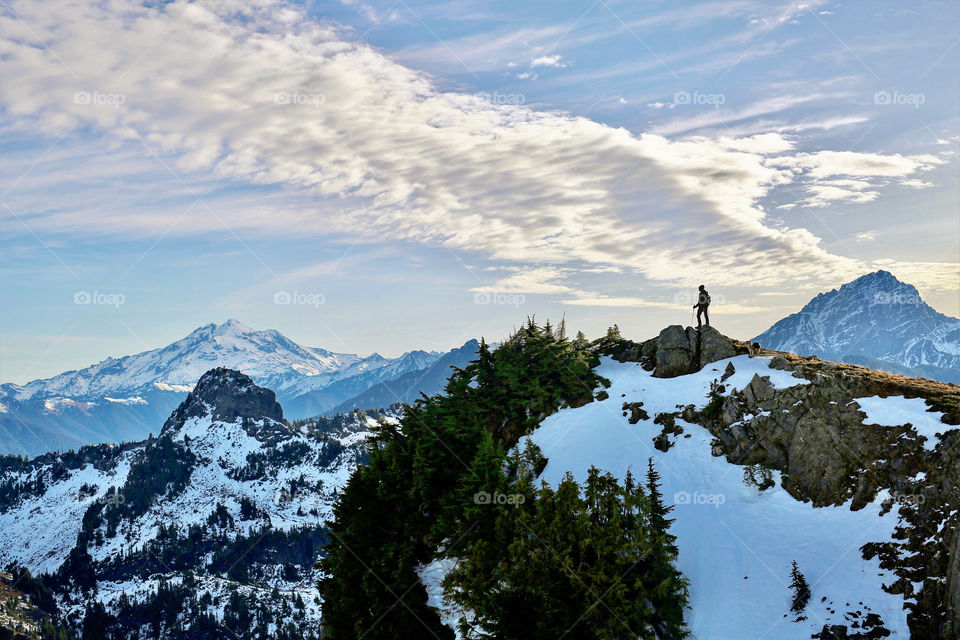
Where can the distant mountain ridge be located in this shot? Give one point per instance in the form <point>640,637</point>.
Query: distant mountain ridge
<point>875,320</point>
<point>408,387</point>
<point>124,399</point>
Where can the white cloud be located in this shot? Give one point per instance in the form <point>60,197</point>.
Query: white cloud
<point>548,61</point>
<point>865,236</point>
<point>825,164</point>
<point>822,168</point>
<point>357,144</point>
<point>916,183</point>
<point>536,280</point>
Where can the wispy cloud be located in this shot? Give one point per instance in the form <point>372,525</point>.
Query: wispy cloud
<point>344,139</point>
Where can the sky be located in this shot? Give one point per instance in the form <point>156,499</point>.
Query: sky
<point>388,176</point>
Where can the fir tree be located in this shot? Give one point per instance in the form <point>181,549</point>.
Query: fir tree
<point>800,588</point>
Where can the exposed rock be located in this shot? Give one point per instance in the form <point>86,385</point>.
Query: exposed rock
<point>713,346</point>
<point>953,572</point>
<point>637,413</point>
<point>676,352</point>
<point>226,395</point>
<point>670,428</point>
<point>728,372</point>
<point>679,351</point>
<point>815,435</point>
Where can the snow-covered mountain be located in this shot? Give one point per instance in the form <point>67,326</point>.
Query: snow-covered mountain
<point>212,529</point>
<point>267,356</point>
<point>122,399</point>
<point>222,513</point>
<point>878,321</point>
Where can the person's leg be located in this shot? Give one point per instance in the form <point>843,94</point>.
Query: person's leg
<point>706,315</point>
<point>699,319</point>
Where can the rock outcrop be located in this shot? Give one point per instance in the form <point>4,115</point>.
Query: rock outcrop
<point>679,351</point>
<point>816,436</point>
<point>226,395</point>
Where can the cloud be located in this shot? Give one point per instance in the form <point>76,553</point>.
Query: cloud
<point>825,164</point>
<point>822,168</point>
<point>334,137</point>
<point>934,276</point>
<point>865,236</point>
<point>536,280</point>
<point>548,61</point>
<point>710,119</point>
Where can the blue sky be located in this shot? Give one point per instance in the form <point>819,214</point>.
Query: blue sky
<point>382,176</point>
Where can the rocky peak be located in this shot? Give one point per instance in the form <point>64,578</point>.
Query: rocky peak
<point>225,395</point>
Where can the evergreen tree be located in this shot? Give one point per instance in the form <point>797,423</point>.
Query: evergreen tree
<point>800,588</point>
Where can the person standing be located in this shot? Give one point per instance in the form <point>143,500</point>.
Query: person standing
<point>703,303</point>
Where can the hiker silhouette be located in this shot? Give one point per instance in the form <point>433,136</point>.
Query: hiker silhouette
<point>703,302</point>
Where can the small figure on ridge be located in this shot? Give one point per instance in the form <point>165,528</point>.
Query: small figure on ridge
<point>703,302</point>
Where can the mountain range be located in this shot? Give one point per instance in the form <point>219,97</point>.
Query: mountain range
<point>877,321</point>
<point>124,399</point>
<point>213,528</point>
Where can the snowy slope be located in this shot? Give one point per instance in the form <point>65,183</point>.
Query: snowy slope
<point>875,317</point>
<point>286,477</point>
<point>736,543</point>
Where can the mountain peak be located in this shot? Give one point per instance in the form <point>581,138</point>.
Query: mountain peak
<point>881,277</point>
<point>230,327</point>
<point>882,287</point>
<point>225,395</point>
<point>876,317</point>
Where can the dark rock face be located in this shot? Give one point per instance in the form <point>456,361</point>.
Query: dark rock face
<point>226,395</point>
<point>680,351</point>
<point>954,574</point>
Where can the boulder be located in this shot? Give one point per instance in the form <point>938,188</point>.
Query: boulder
<point>679,351</point>
<point>714,346</point>
<point>676,352</point>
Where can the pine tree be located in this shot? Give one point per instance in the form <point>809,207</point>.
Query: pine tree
<point>800,588</point>
<point>670,592</point>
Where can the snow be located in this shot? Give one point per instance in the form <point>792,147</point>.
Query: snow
<point>127,401</point>
<point>269,357</point>
<point>895,411</point>
<point>40,531</point>
<point>183,388</point>
<point>736,543</point>
<point>432,576</point>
